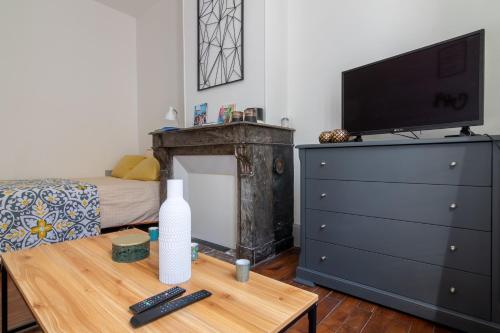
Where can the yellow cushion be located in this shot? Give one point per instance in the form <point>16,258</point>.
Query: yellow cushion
<point>147,169</point>
<point>126,164</point>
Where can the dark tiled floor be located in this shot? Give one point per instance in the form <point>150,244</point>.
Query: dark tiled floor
<point>340,313</point>
<point>228,256</point>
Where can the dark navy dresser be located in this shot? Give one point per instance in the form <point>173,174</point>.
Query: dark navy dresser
<point>410,224</point>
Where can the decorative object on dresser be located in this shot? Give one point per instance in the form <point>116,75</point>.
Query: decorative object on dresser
<point>335,136</point>
<point>325,137</point>
<point>411,224</point>
<point>339,135</point>
<point>220,42</point>
<point>265,196</point>
<point>175,236</point>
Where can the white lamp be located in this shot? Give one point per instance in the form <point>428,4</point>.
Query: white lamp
<point>171,116</point>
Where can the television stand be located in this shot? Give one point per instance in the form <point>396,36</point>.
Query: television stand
<point>464,131</point>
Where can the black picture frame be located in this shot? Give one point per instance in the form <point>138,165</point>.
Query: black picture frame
<point>202,80</point>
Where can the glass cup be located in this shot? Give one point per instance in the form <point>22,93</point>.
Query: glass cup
<point>242,270</point>
<point>194,251</point>
<point>154,232</point>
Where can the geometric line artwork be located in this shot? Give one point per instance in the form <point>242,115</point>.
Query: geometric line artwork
<point>220,42</point>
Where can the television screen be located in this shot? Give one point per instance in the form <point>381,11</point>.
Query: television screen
<point>437,86</point>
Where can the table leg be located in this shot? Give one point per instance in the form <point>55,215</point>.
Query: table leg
<point>4,299</point>
<point>311,315</point>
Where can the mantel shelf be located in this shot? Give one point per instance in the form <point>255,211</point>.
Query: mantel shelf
<point>224,134</point>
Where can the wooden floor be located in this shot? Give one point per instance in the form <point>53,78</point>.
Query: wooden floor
<point>337,312</point>
<point>19,312</point>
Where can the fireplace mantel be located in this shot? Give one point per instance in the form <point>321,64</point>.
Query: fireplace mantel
<point>264,178</point>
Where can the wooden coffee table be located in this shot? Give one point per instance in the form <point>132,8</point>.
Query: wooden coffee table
<point>76,287</point>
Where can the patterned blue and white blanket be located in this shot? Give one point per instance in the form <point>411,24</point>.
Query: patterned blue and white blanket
<point>44,211</point>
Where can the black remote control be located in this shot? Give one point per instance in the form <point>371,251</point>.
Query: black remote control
<point>150,315</point>
<point>157,299</point>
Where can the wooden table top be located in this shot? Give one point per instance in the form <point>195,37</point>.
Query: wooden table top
<point>75,287</point>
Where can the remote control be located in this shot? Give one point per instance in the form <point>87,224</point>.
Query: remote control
<point>162,310</point>
<point>156,299</point>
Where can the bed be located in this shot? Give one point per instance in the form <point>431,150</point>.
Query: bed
<point>44,211</point>
<point>126,202</point>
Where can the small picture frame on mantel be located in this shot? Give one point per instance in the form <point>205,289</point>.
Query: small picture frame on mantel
<point>220,43</point>
<point>200,114</point>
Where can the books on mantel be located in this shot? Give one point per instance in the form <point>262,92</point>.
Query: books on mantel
<point>167,129</point>
<point>172,129</point>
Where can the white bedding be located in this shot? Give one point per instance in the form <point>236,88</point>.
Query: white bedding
<point>125,202</point>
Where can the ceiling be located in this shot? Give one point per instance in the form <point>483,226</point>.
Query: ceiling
<point>131,7</point>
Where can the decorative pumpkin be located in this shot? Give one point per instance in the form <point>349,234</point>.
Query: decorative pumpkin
<point>325,137</point>
<point>339,135</point>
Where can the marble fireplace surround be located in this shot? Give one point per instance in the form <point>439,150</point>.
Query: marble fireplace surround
<point>264,156</point>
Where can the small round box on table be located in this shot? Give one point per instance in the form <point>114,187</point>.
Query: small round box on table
<point>130,248</point>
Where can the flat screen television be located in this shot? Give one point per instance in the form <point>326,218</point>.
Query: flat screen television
<point>438,86</point>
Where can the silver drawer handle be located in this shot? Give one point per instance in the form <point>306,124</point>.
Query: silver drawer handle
<point>323,195</point>
<point>452,290</point>
<point>453,248</point>
<point>453,206</point>
<point>323,226</point>
<point>323,258</point>
<point>322,163</point>
<point>453,164</point>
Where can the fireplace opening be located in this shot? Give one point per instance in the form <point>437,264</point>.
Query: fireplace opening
<point>210,188</point>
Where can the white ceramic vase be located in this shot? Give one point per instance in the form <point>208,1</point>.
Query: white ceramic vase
<point>175,236</point>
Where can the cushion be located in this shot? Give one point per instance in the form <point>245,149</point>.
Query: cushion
<point>147,169</point>
<point>126,164</point>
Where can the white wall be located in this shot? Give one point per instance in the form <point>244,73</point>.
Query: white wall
<point>67,88</point>
<point>247,93</point>
<point>326,37</point>
<point>160,70</point>
<point>276,60</point>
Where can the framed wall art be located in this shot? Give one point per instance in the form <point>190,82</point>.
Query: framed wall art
<point>220,42</point>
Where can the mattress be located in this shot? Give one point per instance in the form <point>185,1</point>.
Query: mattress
<point>126,202</point>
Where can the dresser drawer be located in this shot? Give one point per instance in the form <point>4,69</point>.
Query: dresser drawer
<point>454,164</point>
<point>453,206</point>
<point>463,249</point>
<point>448,288</point>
